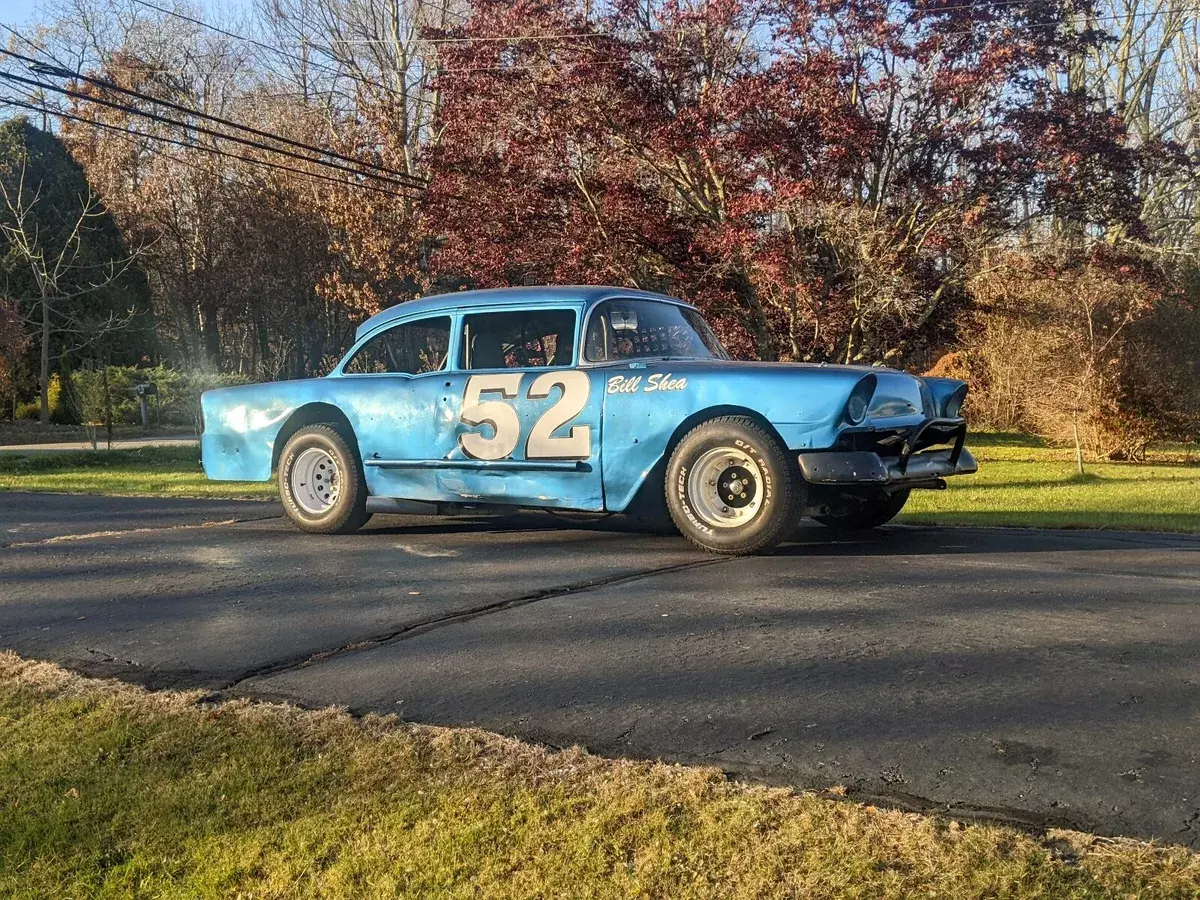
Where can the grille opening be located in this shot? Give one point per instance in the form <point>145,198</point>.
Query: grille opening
<point>890,442</point>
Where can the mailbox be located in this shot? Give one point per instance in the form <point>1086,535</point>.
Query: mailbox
<point>144,392</point>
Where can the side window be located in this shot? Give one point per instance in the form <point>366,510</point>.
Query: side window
<point>411,349</point>
<point>534,339</point>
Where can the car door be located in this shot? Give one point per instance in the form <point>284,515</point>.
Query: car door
<point>523,419</point>
<point>393,385</point>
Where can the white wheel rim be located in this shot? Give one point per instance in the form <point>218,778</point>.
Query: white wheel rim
<point>314,481</point>
<point>725,487</point>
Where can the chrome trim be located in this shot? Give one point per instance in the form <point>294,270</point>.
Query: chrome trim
<point>521,465</point>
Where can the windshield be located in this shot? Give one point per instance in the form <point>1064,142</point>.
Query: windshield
<point>639,329</point>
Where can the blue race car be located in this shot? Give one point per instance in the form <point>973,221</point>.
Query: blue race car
<point>597,399</point>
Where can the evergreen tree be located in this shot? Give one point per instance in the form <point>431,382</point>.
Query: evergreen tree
<point>63,261</point>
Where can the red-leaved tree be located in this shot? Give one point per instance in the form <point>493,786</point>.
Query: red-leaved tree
<point>821,178</point>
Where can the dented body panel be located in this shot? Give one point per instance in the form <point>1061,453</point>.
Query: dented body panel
<point>413,432</point>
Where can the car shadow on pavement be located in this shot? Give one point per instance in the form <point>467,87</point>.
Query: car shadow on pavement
<point>810,539</point>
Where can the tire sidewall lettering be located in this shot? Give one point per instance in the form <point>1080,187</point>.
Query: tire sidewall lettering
<point>681,492</point>
<point>764,465</point>
<point>781,489</point>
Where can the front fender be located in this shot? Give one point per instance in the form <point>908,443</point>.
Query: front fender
<point>803,405</point>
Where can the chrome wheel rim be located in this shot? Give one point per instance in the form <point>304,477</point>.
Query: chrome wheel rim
<point>725,487</point>
<point>314,481</point>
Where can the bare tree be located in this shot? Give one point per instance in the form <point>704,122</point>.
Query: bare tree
<point>60,276</point>
<point>1149,71</point>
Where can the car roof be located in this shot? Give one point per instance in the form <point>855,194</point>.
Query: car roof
<point>546,295</point>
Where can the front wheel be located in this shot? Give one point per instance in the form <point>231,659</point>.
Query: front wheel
<point>321,482</point>
<point>731,488</point>
<point>861,513</point>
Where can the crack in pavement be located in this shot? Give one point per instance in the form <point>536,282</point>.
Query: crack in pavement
<point>1072,569</point>
<point>426,625</point>
<point>1190,822</point>
<point>108,657</point>
<point>91,535</point>
<point>627,732</point>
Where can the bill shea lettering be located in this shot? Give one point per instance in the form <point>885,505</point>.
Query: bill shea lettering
<point>656,383</point>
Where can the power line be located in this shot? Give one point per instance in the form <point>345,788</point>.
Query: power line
<point>420,101</point>
<point>340,73</point>
<point>500,68</point>
<point>567,35</point>
<point>132,110</point>
<point>1014,28</point>
<point>127,132</point>
<point>976,6</point>
<point>303,60</point>
<point>62,72</point>
<point>979,6</point>
<point>234,35</point>
<point>25,40</point>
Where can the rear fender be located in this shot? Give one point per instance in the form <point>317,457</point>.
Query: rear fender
<point>312,414</point>
<point>246,427</point>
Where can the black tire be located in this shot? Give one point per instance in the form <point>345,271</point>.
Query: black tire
<point>346,509</point>
<point>870,511</point>
<point>777,489</point>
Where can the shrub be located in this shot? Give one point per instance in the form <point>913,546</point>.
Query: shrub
<point>60,414</point>
<point>1072,346</point>
<point>63,406</point>
<point>178,400</point>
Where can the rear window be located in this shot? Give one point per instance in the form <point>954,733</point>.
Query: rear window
<point>529,339</point>
<point>410,349</point>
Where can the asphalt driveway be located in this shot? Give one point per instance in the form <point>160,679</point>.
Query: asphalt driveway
<point>1037,677</point>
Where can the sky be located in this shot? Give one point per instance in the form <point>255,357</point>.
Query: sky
<point>19,12</point>
<point>16,12</point>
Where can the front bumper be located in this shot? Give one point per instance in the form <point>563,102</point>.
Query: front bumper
<point>913,467</point>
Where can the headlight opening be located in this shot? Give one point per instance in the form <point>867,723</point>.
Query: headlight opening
<point>859,402</point>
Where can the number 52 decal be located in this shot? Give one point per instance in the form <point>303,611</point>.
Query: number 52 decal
<point>506,426</point>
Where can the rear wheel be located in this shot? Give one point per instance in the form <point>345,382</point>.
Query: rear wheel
<point>321,482</point>
<point>732,489</point>
<point>858,513</point>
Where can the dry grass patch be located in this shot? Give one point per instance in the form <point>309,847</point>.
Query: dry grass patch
<point>108,790</point>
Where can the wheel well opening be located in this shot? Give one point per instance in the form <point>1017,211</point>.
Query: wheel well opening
<point>650,493</point>
<point>312,414</point>
<point>717,412</point>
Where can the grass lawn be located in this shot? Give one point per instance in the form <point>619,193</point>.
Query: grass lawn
<point>149,471</point>
<point>110,791</point>
<point>1023,482</point>
<point>1020,482</point>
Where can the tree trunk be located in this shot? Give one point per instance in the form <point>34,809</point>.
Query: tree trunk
<point>44,373</point>
<point>756,320</point>
<point>210,334</point>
